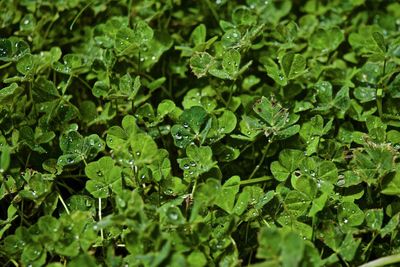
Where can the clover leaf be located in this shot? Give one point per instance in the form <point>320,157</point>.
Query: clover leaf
<point>77,148</point>
<point>103,175</point>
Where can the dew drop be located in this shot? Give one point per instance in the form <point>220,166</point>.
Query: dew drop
<point>172,215</point>
<point>186,167</point>
<point>340,182</point>
<point>178,136</point>
<point>168,191</point>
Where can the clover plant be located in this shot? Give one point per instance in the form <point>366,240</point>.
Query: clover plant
<point>199,133</point>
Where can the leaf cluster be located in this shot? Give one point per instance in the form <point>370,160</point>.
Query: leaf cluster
<point>199,133</point>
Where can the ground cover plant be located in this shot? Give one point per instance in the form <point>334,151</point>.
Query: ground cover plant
<point>199,133</point>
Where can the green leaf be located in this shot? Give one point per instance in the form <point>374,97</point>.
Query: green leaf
<point>349,246</point>
<point>324,91</point>
<point>275,73</point>
<point>198,35</point>
<point>197,259</point>
<point>349,215</point>
<point>391,226</point>
<point>226,197</point>
<point>374,218</point>
<point>231,63</point>
<point>200,63</point>
<point>293,65</point>
<point>365,94</point>
<point>199,160</point>
<point>44,90</point>
<point>292,249</point>
<point>227,122</point>
<point>13,48</point>
<point>289,161</point>
<point>76,148</point>
<point>103,176</point>
<point>318,204</point>
<point>144,149</point>
<point>182,135</point>
<point>379,40</point>
<point>129,87</point>
<point>231,38</point>
<point>4,159</point>
<point>7,94</point>
<point>327,40</point>
<point>194,118</point>
<point>297,203</point>
<point>391,185</point>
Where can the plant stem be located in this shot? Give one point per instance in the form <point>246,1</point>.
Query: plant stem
<point>383,261</point>
<point>5,65</point>
<point>230,94</point>
<point>255,180</point>
<point>14,262</point>
<point>379,102</point>
<point>379,92</point>
<point>261,160</point>
<point>79,14</point>
<point>100,218</point>
<point>63,203</point>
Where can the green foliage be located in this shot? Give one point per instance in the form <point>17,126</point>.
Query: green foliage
<point>199,133</point>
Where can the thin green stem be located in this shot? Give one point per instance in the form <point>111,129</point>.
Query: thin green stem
<point>221,98</point>
<point>100,218</point>
<point>73,176</point>
<point>379,102</point>
<point>63,203</point>
<point>261,160</point>
<point>230,94</point>
<point>5,65</point>
<point>69,81</point>
<point>370,243</point>
<point>84,82</point>
<point>383,261</point>
<point>255,180</point>
<point>14,262</point>
<point>379,92</point>
<point>27,159</point>
<point>79,14</point>
<point>213,11</point>
<point>129,12</point>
